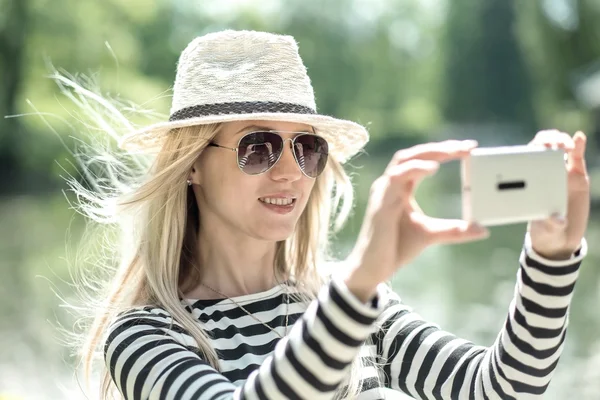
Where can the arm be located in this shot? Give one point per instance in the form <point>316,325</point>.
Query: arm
<point>425,362</point>
<point>151,357</point>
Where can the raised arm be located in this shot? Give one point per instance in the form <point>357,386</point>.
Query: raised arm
<point>425,362</point>
<point>151,357</point>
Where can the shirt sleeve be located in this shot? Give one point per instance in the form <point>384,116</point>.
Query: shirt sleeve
<point>149,356</point>
<point>423,361</point>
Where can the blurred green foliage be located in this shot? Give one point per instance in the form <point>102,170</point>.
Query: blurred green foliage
<point>405,68</point>
<point>411,70</point>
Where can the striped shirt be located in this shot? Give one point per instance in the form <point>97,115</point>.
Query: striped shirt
<point>150,356</point>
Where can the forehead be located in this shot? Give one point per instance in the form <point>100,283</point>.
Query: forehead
<point>240,127</point>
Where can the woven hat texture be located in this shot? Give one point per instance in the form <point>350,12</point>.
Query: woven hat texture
<point>246,75</point>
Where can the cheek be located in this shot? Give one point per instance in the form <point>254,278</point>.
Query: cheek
<point>307,188</point>
<point>221,187</point>
<point>214,178</point>
<point>226,188</point>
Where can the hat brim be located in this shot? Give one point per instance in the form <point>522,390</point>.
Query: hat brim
<point>345,138</point>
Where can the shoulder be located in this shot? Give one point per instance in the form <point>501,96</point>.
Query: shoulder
<point>151,315</point>
<point>145,322</point>
<point>143,339</point>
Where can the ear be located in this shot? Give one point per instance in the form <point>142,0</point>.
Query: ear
<point>194,175</point>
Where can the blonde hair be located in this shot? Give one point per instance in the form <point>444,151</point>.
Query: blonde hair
<point>154,214</point>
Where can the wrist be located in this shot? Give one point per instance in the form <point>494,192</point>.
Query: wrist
<point>360,285</point>
<point>554,255</point>
<point>538,253</point>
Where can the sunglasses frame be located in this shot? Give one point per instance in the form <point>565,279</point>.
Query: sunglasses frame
<point>278,133</point>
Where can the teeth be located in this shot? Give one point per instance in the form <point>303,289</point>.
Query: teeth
<point>278,201</point>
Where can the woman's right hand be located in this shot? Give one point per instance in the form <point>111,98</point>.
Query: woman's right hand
<point>395,229</point>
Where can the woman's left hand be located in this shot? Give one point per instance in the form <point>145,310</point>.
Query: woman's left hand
<point>556,238</point>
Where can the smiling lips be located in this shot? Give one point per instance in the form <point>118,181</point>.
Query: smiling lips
<point>279,205</point>
<point>279,201</point>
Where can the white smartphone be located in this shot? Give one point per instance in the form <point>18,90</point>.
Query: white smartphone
<point>511,184</point>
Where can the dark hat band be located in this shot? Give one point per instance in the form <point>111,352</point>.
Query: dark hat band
<point>244,107</point>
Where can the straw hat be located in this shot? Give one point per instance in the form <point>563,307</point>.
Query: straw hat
<point>246,75</point>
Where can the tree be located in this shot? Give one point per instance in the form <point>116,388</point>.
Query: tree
<point>13,31</point>
<point>486,80</point>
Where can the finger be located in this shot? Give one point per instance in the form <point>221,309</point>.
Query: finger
<point>439,151</point>
<point>448,231</point>
<point>555,223</point>
<point>405,177</point>
<point>554,139</point>
<point>412,170</point>
<point>576,158</point>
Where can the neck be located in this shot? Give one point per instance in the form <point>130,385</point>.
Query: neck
<point>246,268</point>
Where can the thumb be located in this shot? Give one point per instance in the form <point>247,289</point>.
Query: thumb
<point>452,231</point>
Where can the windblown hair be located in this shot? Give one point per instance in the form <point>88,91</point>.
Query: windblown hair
<point>149,219</point>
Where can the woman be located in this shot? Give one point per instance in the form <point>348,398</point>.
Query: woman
<point>224,293</point>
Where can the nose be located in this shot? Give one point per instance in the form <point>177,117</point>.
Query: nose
<point>286,168</point>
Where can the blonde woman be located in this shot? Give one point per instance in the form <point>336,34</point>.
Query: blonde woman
<point>222,290</point>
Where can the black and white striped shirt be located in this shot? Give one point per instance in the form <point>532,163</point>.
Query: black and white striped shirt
<point>149,356</point>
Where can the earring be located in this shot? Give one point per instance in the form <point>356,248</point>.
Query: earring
<point>189,182</point>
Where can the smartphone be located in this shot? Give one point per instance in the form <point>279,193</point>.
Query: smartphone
<point>512,184</point>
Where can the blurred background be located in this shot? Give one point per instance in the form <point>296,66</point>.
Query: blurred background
<point>413,71</point>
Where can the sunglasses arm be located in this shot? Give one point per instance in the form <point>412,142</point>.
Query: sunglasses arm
<point>223,147</point>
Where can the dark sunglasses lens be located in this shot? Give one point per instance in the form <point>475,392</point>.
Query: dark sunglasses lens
<point>258,151</point>
<point>311,152</point>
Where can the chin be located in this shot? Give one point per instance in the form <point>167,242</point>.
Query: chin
<point>276,233</point>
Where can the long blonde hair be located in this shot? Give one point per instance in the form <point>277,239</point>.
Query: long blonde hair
<point>153,213</point>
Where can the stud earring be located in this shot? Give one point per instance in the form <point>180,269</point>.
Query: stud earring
<point>189,182</point>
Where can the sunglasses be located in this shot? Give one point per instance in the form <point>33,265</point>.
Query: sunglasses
<point>257,152</point>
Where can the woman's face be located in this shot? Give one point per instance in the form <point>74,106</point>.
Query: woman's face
<point>237,201</point>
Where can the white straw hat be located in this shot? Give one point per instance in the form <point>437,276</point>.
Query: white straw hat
<point>246,75</point>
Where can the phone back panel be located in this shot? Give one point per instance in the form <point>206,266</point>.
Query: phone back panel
<point>503,185</point>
